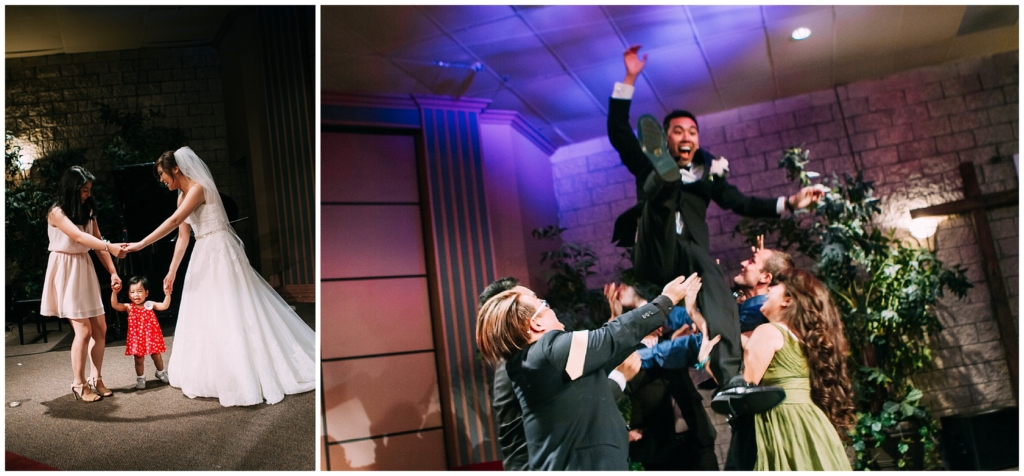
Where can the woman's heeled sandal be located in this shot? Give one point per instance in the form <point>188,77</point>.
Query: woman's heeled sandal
<point>102,390</point>
<point>83,392</point>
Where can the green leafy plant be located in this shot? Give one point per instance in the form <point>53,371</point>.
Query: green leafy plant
<point>568,294</point>
<point>136,140</point>
<point>886,290</point>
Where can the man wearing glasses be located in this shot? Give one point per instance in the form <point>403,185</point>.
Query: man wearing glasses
<point>570,417</point>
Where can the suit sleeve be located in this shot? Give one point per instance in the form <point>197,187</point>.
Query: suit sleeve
<point>729,197</point>
<point>614,339</point>
<point>620,134</point>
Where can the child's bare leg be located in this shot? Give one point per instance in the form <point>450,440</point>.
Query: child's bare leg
<point>140,365</point>
<point>158,360</point>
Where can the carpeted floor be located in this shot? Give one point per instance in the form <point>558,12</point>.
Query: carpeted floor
<point>153,429</point>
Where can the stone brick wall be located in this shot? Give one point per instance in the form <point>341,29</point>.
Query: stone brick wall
<point>908,133</point>
<point>53,102</point>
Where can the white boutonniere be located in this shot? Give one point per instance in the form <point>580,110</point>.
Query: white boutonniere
<point>719,167</point>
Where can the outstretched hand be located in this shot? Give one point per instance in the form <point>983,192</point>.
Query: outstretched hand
<point>116,250</point>
<point>611,291</point>
<point>806,196</point>
<point>677,288</point>
<point>133,247</point>
<point>634,65</point>
<point>706,344</point>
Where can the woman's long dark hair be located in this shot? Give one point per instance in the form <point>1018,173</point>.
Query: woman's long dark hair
<point>813,317</point>
<point>69,197</point>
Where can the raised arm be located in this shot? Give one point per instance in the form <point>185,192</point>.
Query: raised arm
<point>117,306</point>
<point>187,203</point>
<point>613,339</point>
<point>620,133</point>
<point>163,306</point>
<point>57,218</point>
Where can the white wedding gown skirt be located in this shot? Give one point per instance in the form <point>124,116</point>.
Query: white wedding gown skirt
<point>236,339</point>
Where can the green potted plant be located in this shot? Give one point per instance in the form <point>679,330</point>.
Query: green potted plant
<point>567,293</point>
<point>886,289</point>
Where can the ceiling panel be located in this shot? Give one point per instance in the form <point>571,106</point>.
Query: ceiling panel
<point>343,42</point>
<point>457,17</point>
<point>788,54</point>
<point>738,55</point>
<point>32,28</point>
<point>585,128</point>
<point>389,28</point>
<point>986,42</point>
<point>660,27</point>
<point>779,13</point>
<point>560,98</point>
<point>924,25</point>
<point>168,26</point>
<point>579,47</point>
<point>715,21</point>
<point>675,68</point>
<point>519,54</point>
<point>441,48</point>
<point>548,18</point>
<point>865,66</point>
<point>374,75</point>
<point>87,29</point>
<point>599,79</point>
<point>854,41</point>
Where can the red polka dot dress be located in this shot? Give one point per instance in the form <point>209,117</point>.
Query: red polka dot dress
<point>144,335</point>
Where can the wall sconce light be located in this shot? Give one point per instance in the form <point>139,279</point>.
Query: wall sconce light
<point>923,228</point>
<point>474,66</point>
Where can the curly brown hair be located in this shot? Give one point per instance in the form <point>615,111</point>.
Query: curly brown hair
<point>813,317</point>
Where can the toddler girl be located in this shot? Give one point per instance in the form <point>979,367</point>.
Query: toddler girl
<point>144,335</point>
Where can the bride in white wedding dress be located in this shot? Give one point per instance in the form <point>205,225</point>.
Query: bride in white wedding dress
<point>236,339</point>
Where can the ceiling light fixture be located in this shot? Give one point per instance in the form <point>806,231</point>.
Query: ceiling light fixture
<point>475,66</point>
<point>801,33</point>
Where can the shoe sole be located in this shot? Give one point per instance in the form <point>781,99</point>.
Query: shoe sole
<point>652,143</point>
<point>740,401</point>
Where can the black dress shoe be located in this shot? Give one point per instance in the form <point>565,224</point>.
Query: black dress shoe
<point>747,399</point>
<point>652,143</point>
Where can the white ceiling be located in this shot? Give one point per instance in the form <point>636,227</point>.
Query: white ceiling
<point>50,30</point>
<point>556,64</point>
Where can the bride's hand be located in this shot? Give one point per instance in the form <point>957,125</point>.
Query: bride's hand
<point>169,281</point>
<point>133,247</point>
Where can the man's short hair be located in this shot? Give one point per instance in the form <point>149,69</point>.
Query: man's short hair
<point>496,288</point>
<point>777,262</point>
<point>676,114</point>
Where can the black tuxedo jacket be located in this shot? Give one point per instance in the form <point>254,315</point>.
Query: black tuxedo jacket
<point>575,424</point>
<point>692,202</point>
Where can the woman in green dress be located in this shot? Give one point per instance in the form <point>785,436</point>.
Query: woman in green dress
<point>801,349</point>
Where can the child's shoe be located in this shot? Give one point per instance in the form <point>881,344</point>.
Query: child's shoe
<point>162,375</point>
<point>140,382</point>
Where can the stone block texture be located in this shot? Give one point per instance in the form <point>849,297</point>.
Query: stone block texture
<point>54,102</point>
<point>909,133</point>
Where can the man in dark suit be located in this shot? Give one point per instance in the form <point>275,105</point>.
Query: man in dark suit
<point>511,435</point>
<point>668,222</point>
<point>569,414</point>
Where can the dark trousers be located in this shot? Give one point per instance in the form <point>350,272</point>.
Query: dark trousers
<point>743,444</point>
<point>676,452</point>
<point>660,255</point>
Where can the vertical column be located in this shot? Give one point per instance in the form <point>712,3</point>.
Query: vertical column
<point>462,253</point>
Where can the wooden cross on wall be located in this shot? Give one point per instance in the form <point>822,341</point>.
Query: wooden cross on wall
<point>977,205</point>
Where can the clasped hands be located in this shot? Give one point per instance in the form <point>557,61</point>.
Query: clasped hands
<point>119,250</point>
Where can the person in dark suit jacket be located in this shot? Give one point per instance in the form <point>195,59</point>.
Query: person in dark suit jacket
<point>668,222</point>
<point>511,435</point>
<point>569,414</point>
